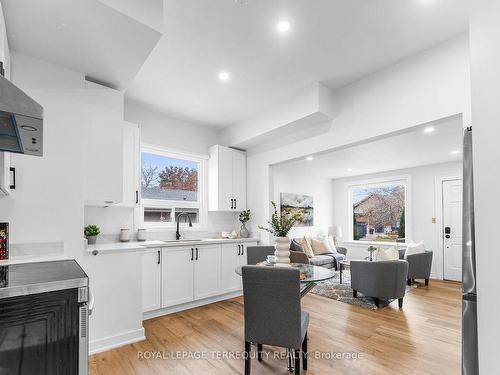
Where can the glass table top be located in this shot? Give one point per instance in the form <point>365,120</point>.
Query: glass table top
<point>308,272</point>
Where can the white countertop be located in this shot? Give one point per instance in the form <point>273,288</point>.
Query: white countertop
<point>136,245</point>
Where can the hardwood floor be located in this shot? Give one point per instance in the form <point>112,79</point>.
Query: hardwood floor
<point>423,338</point>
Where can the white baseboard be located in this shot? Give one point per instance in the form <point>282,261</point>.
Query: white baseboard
<point>115,341</point>
<point>190,305</point>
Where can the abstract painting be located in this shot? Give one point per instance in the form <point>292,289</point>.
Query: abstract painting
<point>299,203</point>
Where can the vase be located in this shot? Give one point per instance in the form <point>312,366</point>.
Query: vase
<point>141,234</point>
<point>282,251</point>
<point>124,235</point>
<point>244,233</point>
<point>91,240</point>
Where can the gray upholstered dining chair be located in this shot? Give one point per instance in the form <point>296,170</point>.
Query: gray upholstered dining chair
<point>419,266</point>
<point>273,315</point>
<point>256,254</point>
<point>380,279</point>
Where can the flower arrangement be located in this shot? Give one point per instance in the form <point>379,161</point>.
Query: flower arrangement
<point>280,225</point>
<point>244,216</point>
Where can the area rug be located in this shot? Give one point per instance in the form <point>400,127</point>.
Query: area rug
<point>342,292</point>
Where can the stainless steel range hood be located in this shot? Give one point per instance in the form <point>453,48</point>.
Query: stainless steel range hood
<point>21,121</point>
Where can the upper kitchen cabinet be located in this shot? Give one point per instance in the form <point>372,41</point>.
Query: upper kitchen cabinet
<point>226,179</point>
<point>103,185</point>
<point>131,165</point>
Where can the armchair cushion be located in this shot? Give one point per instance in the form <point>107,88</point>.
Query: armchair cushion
<point>321,260</point>
<point>296,246</point>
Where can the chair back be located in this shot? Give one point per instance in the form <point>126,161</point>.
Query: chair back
<point>256,254</point>
<point>272,306</point>
<point>382,279</point>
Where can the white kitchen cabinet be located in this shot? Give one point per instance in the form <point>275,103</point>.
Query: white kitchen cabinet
<point>5,174</point>
<point>232,256</point>
<point>103,158</point>
<point>207,271</point>
<point>151,280</point>
<point>226,179</point>
<point>131,165</point>
<point>177,275</point>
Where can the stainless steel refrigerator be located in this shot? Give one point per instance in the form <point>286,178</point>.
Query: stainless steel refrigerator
<point>470,364</point>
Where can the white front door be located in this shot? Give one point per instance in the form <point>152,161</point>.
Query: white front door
<point>452,229</point>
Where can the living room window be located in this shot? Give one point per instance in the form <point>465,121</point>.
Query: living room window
<point>379,211</point>
<point>172,182</point>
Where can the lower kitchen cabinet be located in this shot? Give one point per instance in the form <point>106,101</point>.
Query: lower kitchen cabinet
<point>232,256</point>
<point>151,280</point>
<point>174,276</point>
<point>207,271</point>
<point>177,273</point>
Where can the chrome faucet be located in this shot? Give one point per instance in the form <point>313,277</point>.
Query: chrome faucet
<point>177,234</point>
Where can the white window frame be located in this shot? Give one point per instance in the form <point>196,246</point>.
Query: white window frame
<point>377,182</point>
<point>201,204</point>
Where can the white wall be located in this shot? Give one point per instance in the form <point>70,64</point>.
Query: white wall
<point>485,77</point>
<point>286,181</point>
<point>423,206</point>
<point>429,86</point>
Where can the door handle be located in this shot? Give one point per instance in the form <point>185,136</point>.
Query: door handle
<point>196,253</point>
<point>159,257</point>
<point>192,254</point>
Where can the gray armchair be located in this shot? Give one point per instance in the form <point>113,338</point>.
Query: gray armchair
<point>273,314</point>
<point>382,279</point>
<point>419,266</point>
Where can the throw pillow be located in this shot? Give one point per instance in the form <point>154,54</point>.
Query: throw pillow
<point>307,247</point>
<point>387,254</point>
<point>295,246</point>
<point>331,244</point>
<point>320,247</point>
<point>415,248</point>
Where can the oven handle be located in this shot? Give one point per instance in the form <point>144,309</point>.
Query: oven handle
<point>91,303</point>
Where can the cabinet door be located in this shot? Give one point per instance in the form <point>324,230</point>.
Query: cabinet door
<point>151,280</point>
<point>131,165</point>
<point>177,276</point>
<point>207,271</point>
<point>103,182</point>
<point>225,166</point>
<point>231,258</point>
<point>239,180</point>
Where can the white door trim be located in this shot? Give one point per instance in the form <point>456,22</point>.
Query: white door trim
<point>438,257</point>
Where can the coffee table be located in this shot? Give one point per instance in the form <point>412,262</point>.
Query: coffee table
<point>344,264</point>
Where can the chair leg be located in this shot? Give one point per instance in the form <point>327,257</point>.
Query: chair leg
<point>355,293</point>
<point>259,352</point>
<point>426,282</point>
<point>400,303</point>
<point>297,362</point>
<point>304,353</point>
<point>248,350</point>
<point>408,282</point>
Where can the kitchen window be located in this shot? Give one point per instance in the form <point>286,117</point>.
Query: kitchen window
<point>172,183</point>
<point>379,211</point>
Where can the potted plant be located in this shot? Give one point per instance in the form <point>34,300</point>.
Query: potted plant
<point>371,250</point>
<point>244,218</point>
<point>91,232</point>
<point>279,226</point>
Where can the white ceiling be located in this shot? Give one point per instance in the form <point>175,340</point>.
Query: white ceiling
<point>411,149</point>
<point>330,41</point>
<point>84,35</point>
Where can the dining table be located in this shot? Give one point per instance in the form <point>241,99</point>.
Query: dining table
<point>310,275</point>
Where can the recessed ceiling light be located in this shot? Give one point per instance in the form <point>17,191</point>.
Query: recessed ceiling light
<point>429,129</point>
<point>309,158</point>
<point>283,26</point>
<point>455,152</point>
<point>224,76</point>
<point>349,169</point>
